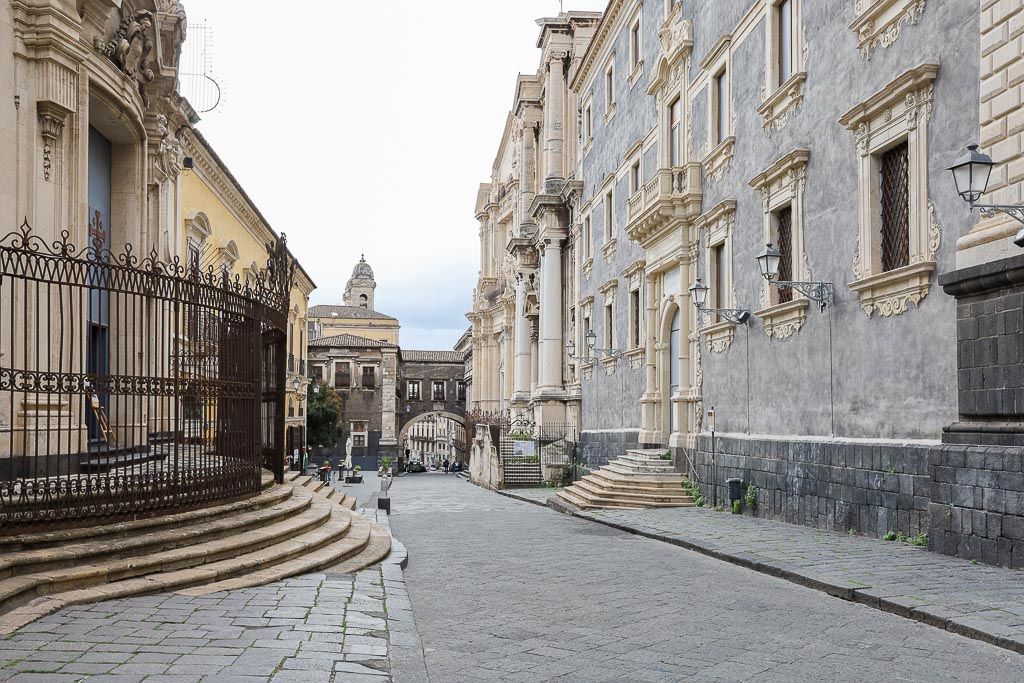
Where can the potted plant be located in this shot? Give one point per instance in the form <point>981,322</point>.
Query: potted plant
<point>357,477</point>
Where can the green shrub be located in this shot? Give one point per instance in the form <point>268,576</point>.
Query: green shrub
<point>751,498</point>
<point>667,455</point>
<point>737,507</point>
<point>891,536</point>
<point>921,540</point>
<point>693,489</point>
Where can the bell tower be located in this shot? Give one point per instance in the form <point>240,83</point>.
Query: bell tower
<point>359,289</point>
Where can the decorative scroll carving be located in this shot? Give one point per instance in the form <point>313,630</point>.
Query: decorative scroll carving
<point>131,46</point>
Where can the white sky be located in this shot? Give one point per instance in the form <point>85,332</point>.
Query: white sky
<point>367,127</point>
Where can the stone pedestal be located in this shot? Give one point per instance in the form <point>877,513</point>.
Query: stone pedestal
<point>990,353</point>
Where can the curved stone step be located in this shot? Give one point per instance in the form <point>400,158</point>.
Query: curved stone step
<point>274,505</point>
<point>308,516</point>
<point>21,542</point>
<point>252,566</point>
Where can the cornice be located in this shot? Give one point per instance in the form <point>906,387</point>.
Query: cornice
<point>794,159</point>
<point>595,50</point>
<point>716,51</point>
<point>894,91</point>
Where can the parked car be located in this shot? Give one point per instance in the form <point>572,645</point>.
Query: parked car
<point>416,463</point>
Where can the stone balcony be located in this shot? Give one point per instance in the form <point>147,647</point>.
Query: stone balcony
<point>671,196</point>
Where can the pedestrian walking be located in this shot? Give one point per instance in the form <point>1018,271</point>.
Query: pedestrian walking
<point>446,466</point>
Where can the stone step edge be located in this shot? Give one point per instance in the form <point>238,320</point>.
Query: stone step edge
<point>322,558</point>
<point>584,504</point>
<point>284,504</point>
<point>614,494</point>
<point>121,529</point>
<point>154,583</point>
<point>16,592</point>
<point>613,478</point>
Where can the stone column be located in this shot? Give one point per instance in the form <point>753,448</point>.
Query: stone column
<point>527,172</point>
<point>521,386</point>
<point>551,343</point>
<point>649,402</point>
<point>553,124</point>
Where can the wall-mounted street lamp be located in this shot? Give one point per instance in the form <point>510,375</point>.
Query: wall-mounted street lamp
<point>699,294</point>
<point>296,385</point>
<point>768,262</point>
<point>592,348</point>
<point>971,174</point>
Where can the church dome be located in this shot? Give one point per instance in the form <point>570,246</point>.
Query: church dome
<point>362,269</point>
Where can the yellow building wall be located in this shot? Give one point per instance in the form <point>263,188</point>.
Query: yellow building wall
<point>380,330</point>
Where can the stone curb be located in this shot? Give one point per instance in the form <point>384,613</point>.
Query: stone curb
<point>408,661</point>
<point>932,615</point>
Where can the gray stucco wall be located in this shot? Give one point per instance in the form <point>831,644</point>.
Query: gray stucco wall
<point>893,377</point>
<point>611,403</point>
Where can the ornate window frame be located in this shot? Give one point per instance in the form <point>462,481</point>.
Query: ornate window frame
<point>898,112</point>
<point>780,99</point>
<point>586,242</point>
<point>609,87</point>
<point>636,23</point>
<point>608,208</point>
<point>608,290</point>
<point>782,184</point>
<point>633,274</point>
<point>719,61</point>
<point>717,225</point>
<point>879,22</point>
<point>586,308</point>
<point>587,124</point>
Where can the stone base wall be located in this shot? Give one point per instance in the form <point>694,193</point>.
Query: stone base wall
<point>968,499</point>
<point>842,486</point>
<point>977,503</point>
<point>597,448</point>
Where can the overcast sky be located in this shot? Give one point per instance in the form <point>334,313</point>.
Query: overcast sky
<point>366,127</point>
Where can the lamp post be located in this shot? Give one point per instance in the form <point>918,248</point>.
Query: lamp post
<point>971,174</point>
<point>699,294</point>
<point>592,348</point>
<point>768,261</point>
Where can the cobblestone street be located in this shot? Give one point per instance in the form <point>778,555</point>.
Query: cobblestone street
<point>505,590</point>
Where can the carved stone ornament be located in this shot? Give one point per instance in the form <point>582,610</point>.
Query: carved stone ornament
<point>675,37</point>
<point>51,124</point>
<point>131,46</point>
<point>880,22</point>
<point>170,153</point>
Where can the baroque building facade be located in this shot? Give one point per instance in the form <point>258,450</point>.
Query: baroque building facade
<point>522,311</point>
<point>224,232</point>
<point>710,128</point>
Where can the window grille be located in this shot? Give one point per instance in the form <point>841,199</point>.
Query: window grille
<point>894,180</point>
<point>784,236</point>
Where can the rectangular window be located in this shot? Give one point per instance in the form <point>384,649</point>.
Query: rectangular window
<point>369,377</point>
<point>460,391</point>
<point>588,123</point>
<point>634,316</point>
<point>609,89</point>
<point>784,243</point>
<point>342,375</point>
<point>359,433</point>
<point>414,390</point>
<point>586,333</point>
<point>588,244</point>
<point>717,277</point>
<point>675,111</point>
<point>439,390</point>
<point>721,107</point>
<point>359,440</point>
<point>609,326</point>
<point>609,216</point>
<point>634,177</point>
<point>894,195</point>
<point>634,46</point>
<point>785,45</point>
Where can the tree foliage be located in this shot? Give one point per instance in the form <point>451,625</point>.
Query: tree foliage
<point>322,416</point>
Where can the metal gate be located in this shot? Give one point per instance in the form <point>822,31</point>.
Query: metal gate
<point>132,386</point>
<point>537,454</point>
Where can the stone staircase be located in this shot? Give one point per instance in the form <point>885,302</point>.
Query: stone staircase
<point>293,528</point>
<point>637,480</point>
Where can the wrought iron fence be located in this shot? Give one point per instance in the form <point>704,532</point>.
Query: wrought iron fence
<point>130,386</point>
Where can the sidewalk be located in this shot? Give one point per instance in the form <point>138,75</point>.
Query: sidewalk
<point>975,600</point>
